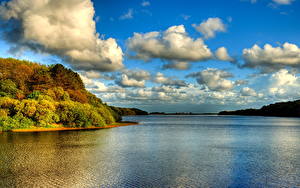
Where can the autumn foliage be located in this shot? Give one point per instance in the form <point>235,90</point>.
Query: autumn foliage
<point>37,95</point>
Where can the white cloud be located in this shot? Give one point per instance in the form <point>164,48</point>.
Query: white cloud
<point>183,96</point>
<point>162,79</point>
<point>145,3</point>
<point>127,15</point>
<point>92,84</point>
<point>124,81</point>
<point>173,45</point>
<point>209,27</point>
<point>240,82</point>
<point>283,83</point>
<point>279,86</point>
<point>132,78</point>
<point>137,74</point>
<point>92,74</point>
<point>178,65</point>
<point>271,58</point>
<point>214,79</point>
<point>283,78</point>
<point>61,27</point>
<point>222,54</point>
<point>283,2</point>
<point>246,91</point>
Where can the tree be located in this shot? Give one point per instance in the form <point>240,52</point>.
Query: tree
<point>8,88</point>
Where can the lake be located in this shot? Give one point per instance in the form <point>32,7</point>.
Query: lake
<point>163,151</point>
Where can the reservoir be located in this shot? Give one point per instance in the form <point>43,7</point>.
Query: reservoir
<point>162,151</point>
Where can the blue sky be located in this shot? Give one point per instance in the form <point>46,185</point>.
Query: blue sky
<point>200,56</point>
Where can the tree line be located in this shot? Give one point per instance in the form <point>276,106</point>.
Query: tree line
<point>35,95</point>
<point>283,109</point>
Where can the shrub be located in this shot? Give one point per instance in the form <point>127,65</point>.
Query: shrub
<point>9,104</point>
<point>46,113</point>
<point>8,123</point>
<point>16,122</point>
<point>27,107</point>
<point>23,122</point>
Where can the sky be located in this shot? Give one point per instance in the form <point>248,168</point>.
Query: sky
<point>172,56</point>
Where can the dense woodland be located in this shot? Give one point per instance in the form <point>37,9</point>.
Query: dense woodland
<point>283,109</point>
<point>35,95</point>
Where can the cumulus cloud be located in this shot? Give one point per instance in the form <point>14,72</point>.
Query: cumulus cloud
<point>160,96</point>
<point>64,28</point>
<point>246,91</point>
<point>98,75</point>
<point>162,79</point>
<point>125,81</point>
<point>240,82</point>
<point>178,65</point>
<point>92,74</point>
<point>210,27</point>
<point>222,54</point>
<point>214,79</point>
<point>283,83</point>
<point>173,45</point>
<point>271,58</point>
<point>92,84</point>
<point>278,86</point>
<point>138,75</point>
<point>127,15</point>
<point>132,78</point>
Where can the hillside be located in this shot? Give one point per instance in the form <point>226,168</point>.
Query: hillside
<point>35,95</point>
<point>283,109</point>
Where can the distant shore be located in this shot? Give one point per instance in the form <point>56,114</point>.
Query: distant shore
<point>181,113</point>
<point>40,129</point>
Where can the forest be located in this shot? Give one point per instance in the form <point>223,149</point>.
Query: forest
<point>282,109</point>
<point>34,95</point>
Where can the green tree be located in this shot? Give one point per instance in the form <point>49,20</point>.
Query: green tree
<point>8,88</point>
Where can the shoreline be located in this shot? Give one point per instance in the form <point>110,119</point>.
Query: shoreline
<point>120,124</point>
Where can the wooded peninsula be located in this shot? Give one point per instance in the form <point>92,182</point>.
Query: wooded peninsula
<point>280,109</point>
<point>39,96</point>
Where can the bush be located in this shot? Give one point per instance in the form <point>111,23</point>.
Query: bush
<point>106,114</point>
<point>23,122</point>
<point>9,104</point>
<point>75,114</point>
<point>8,123</point>
<point>46,113</point>
<point>16,122</point>
<point>27,107</point>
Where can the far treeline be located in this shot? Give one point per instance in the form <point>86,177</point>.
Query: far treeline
<point>34,95</point>
<point>283,109</point>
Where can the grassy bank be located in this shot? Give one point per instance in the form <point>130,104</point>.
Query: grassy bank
<point>61,128</point>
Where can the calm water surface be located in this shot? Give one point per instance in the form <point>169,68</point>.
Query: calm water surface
<point>164,151</point>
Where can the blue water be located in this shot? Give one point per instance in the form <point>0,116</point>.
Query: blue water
<point>163,151</point>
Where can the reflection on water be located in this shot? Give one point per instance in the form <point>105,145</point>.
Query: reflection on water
<point>164,151</point>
